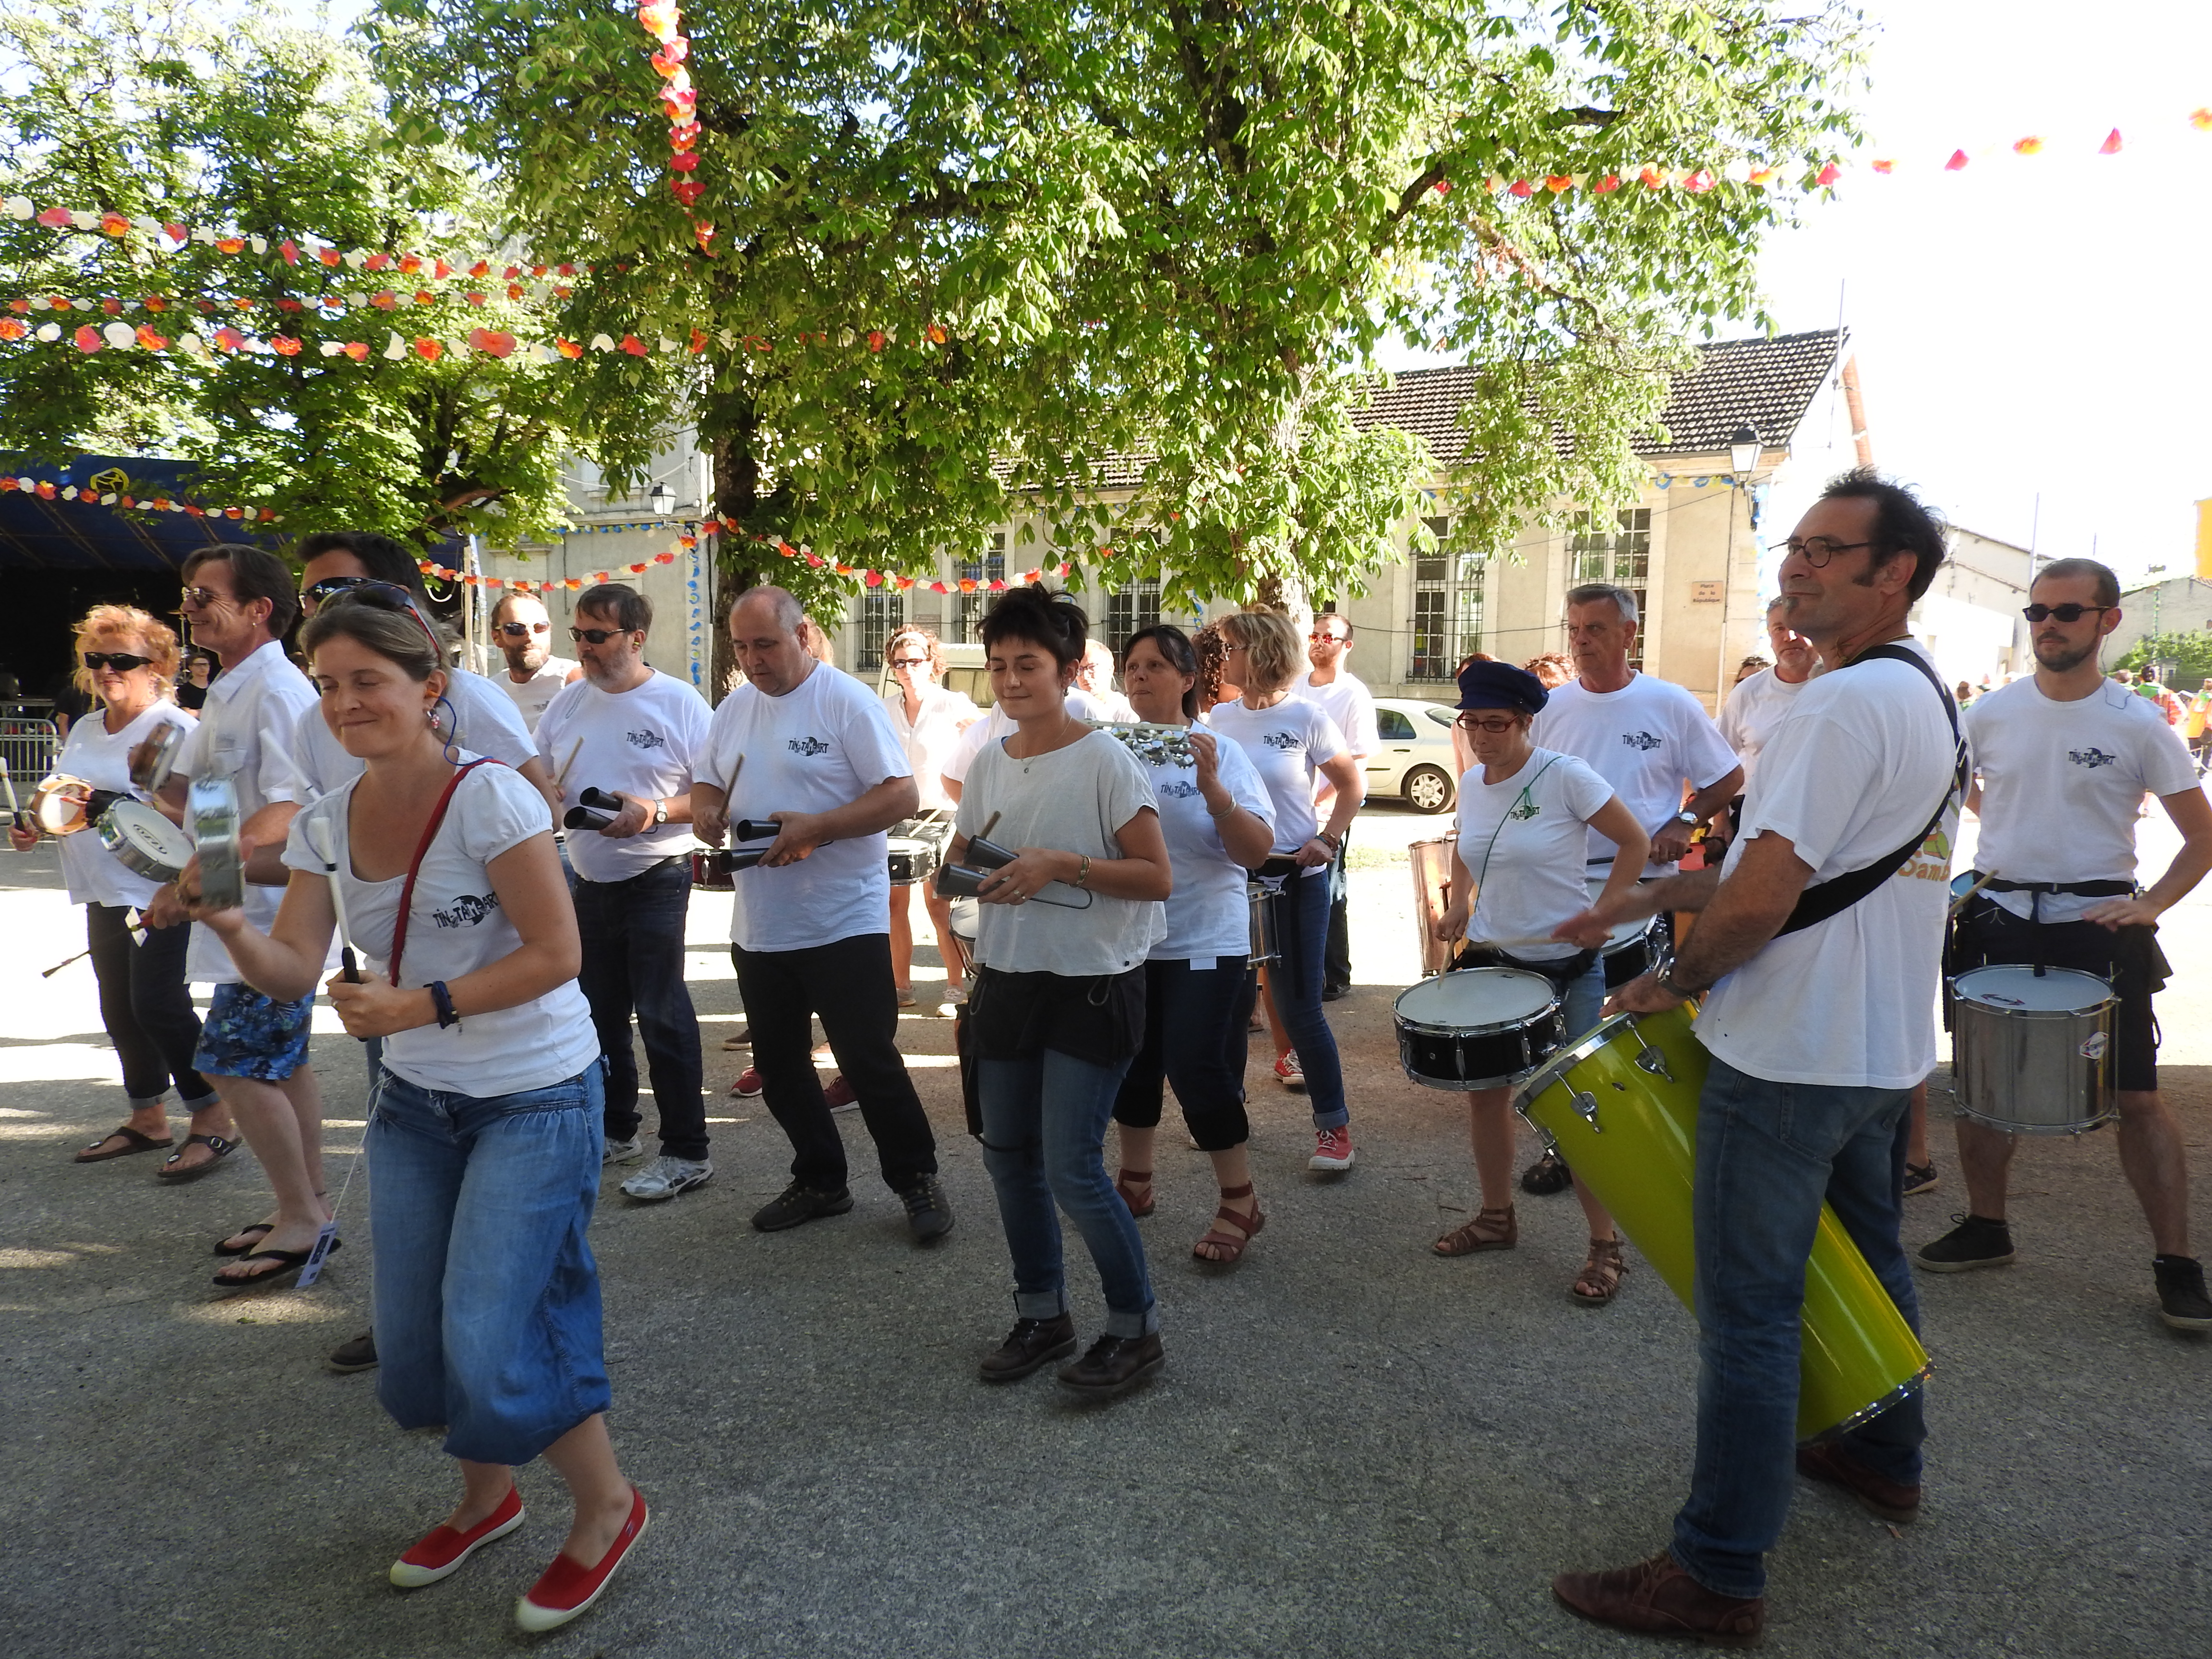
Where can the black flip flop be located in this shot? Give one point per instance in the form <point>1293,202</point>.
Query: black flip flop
<point>252,1235</point>
<point>172,1170</point>
<point>135,1143</point>
<point>291,1261</point>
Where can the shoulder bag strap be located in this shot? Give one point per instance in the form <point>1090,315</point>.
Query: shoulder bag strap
<point>414,865</point>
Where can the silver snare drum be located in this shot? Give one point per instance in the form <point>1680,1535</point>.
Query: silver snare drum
<point>1267,943</point>
<point>143,842</point>
<point>2032,1052</point>
<point>1477,1028</point>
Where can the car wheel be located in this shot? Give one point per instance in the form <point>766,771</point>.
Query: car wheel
<point>1428,790</point>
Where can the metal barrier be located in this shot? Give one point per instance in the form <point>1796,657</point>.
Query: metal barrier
<point>28,747</point>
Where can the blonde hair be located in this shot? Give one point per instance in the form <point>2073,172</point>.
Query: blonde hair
<point>125,622</point>
<point>1271,646</point>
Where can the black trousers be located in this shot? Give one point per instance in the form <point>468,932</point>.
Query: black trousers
<point>1195,1032</point>
<point>849,983</point>
<point>1336,957</point>
<point>633,939</point>
<point>146,1006</point>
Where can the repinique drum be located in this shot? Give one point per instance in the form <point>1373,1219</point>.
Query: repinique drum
<point>1620,1106</point>
<point>1628,954</point>
<point>1267,943</point>
<point>1433,862</point>
<point>2032,1052</point>
<point>912,859</point>
<point>143,842</point>
<point>1476,1028</point>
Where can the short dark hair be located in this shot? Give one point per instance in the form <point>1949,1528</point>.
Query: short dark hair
<point>1174,645</point>
<point>631,610</point>
<point>384,559</point>
<point>256,575</point>
<point>1036,614</point>
<point>1902,523</point>
<point>2108,585</point>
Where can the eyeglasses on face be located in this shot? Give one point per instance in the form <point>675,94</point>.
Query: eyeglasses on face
<point>1497,726</point>
<point>204,599</point>
<point>1817,550</point>
<point>524,630</point>
<point>598,635</point>
<point>2065,613</point>
<point>1323,638</point>
<point>909,662</point>
<point>121,661</point>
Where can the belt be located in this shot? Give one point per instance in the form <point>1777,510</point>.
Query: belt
<point>2078,889</point>
<point>658,865</point>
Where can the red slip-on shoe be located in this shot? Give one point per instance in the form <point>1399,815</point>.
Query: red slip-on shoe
<point>565,1589</point>
<point>442,1550</point>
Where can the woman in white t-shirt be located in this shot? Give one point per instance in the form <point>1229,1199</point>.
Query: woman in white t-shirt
<point>484,1131</point>
<point>126,659</point>
<point>1064,930</point>
<point>1218,825</point>
<point>1288,740</point>
<point>929,719</point>
<point>1525,814</point>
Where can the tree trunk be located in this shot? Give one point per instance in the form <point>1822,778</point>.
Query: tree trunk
<point>729,427</point>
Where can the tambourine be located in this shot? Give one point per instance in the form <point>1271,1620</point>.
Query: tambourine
<point>1152,744</point>
<point>62,805</point>
<point>156,755</point>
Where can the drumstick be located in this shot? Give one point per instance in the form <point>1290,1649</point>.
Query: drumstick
<point>1959,903</point>
<point>318,836</point>
<point>560,777</point>
<point>137,931</point>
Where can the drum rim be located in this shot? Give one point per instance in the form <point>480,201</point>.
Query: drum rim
<point>2111,997</point>
<point>1555,1004</point>
<point>1642,935</point>
<point>116,840</point>
<point>1563,1060</point>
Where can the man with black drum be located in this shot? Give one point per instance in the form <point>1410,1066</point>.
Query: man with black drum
<point>2065,759</point>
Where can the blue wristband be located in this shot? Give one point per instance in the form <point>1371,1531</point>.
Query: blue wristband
<point>447,1014</point>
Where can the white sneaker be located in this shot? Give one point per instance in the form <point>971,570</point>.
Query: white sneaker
<point>956,999</point>
<point>666,1177</point>
<point>623,1152</point>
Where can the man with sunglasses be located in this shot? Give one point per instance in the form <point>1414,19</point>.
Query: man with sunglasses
<point>2065,759</point>
<point>629,731</point>
<point>522,629</point>
<point>1351,706</point>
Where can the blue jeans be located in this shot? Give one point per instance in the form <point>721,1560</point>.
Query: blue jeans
<point>1194,1039</point>
<point>487,1296</point>
<point>1768,1153</point>
<point>633,937</point>
<point>1044,1129</point>
<point>1301,919</point>
<point>1584,999</point>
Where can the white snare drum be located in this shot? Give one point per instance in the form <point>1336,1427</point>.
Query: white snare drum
<point>2031,1054</point>
<point>1477,1028</point>
<point>58,804</point>
<point>143,842</point>
<point>1628,954</point>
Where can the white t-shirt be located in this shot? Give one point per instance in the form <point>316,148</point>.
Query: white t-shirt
<point>1848,1002</point>
<point>102,760</point>
<point>1072,800</point>
<point>998,725</point>
<point>1350,704</point>
<point>641,742</point>
<point>2061,786</point>
<point>456,926</point>
<point>930,739</point>
<point>1286,743</point>
<point>1522,841</point>
<point>1645,739</point>
<point>247,732</point>
<point>1208,914</point>
<point>484,723</point>
<point>1752,713</point>
<point>822,744</point>
<point>540,689</point>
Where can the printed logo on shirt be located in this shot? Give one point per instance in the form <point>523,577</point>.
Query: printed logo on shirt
<point>1524,809</point>
<point>807,746</point>
<point>646,739</point>
<point>1643,740</point>
<point>2092,757</point>
<point>1284,740</point>
<point>467,910</point>
<point>1176,789</point>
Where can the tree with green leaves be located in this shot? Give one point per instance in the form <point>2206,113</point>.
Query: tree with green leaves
<point>176,114</point>
<point>2189,654</point>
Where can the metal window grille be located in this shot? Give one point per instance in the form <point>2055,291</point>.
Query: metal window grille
<point>1448,607</point>
<point>1620,553</point>
<point>968,608</point>
<point>880,612</point>
<point>1131,611</point>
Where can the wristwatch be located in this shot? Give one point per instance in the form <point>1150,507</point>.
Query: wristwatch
<point>1686,818</point>
<point>659,813</point>
<point>1664,977</point>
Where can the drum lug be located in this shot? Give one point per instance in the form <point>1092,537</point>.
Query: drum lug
<point>1649,1059</point>
<point>1585,1105</point>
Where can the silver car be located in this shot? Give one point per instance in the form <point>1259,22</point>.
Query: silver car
<point>1415,762</point>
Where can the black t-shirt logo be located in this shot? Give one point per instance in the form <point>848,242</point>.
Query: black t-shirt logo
<point>808,746</point>
<point>1643,740</point>
<point>646,739</point>
<point>2092,757</point>
<point>1284,740</point>
<point>467,910</point>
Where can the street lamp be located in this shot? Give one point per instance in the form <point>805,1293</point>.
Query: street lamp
<point>662,500</point>
<point>1743,460</point>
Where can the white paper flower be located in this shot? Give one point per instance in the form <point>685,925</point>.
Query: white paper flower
<point>599,343</point>
<point>395,349</point>
<point>50,332</point>
<point>17,207</point>
<point>83,219</point>
<point>121,335</point>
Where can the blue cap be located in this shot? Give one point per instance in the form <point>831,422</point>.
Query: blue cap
<point>1501,685</point>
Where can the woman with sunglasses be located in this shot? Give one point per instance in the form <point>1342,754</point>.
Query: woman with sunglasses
<point>1289,739</point>
<point>125,658</point>
<point>1218,825</point>
<point>1064,931</point>
<point>484,1131</point>
<point>1525,814</point>
<point>929,719</point>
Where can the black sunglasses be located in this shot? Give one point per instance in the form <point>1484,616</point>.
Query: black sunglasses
<point>524,630</point>
<point>2065,613</point>
<point>383,596</point>
<point>121,661</point>
<point>598,635</point>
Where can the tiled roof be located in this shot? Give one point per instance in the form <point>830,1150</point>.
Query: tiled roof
<point>1769,383</point>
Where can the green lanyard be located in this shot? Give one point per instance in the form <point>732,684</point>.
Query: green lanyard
<point>1517,801</point>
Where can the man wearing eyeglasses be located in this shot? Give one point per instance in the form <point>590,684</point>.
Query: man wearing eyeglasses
<point>1351,706</point>
<point>2065,759</point>
<point>626,730</point>
<point>522,629</point>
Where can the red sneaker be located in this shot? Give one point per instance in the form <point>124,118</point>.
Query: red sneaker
<point>838,1095</point>
<point>565,1589</point>
<point>1289,1072</point>
<point>442,1550</point>
<point>1332,1150</point>
<point>749,1084</point>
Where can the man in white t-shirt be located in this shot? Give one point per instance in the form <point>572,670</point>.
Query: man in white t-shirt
<point>1759,705</point>
<point>1646,737</point>
<point>805,756</point>
<point>2065,759</point>
<point>1095,679</point>
<point>1351,706</point>
<point>627,732</point>
<point>1818,1030</point>
<point>522,628</point>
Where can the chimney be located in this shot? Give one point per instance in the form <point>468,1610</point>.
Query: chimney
<point>1861,441</point>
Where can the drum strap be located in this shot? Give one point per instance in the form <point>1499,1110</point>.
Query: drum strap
<point>1832,897</point>
<point>415,863</point>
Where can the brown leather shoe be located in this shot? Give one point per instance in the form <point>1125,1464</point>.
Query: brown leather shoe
<point>1032,1343</point>
<point>1658,1596</point>
<point>1832,1466</point>
<point>1116,1362</point>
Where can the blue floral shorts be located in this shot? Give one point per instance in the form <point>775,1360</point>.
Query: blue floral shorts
<point>248,1034</point>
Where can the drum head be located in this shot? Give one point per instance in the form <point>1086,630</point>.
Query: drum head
<point>1627,933</point>
<point>1476,999</point>
<point>140,826</point>
<point>58,803</point>
<point>1963,882</point>
<point>967,919</point>
<point>2016,989</point>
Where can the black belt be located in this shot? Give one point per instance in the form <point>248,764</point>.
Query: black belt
<point>2078,889</point>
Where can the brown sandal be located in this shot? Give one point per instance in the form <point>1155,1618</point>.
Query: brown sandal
<point>1231,1246</point>
<point>1491,1230</point>
<point>1127,1182</point>
<point>1603,1272</point>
